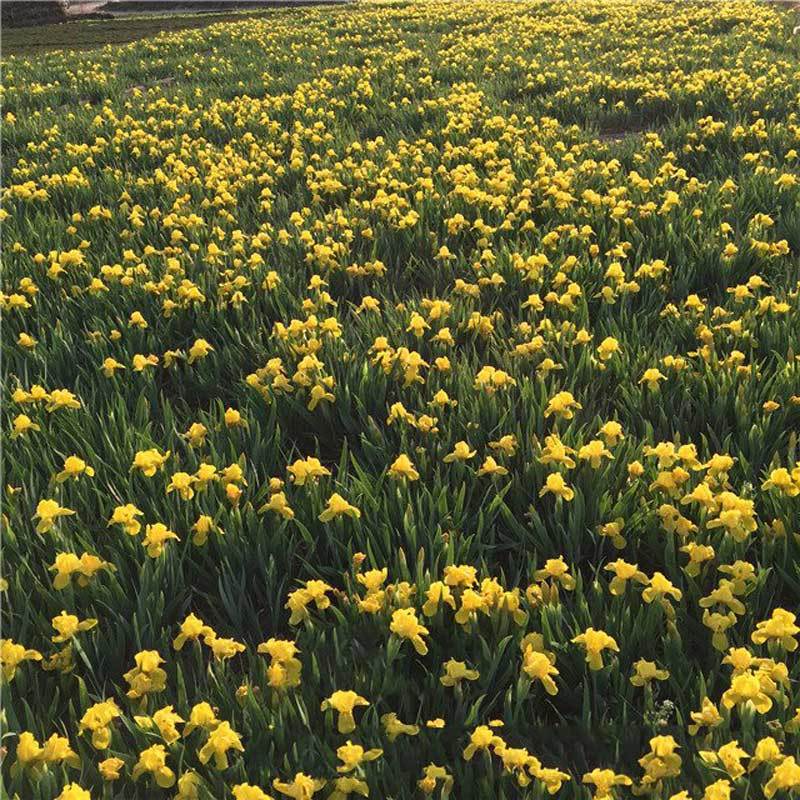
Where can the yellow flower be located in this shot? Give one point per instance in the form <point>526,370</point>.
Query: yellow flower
<point>555,484</point>
<point>517,761</point>
<point>647,671</point>
<point>126,516</point>
<point>471,603</point>
<point>402,467</point>
<point>345,786</point>
<point>724,595</point>
<point>538,667</point>
<point>417,325</point>
<point>563,405</point>
<point>57,749</point>
<point>278,504</point>
<point>61,398</point>
<point>146,677</point>
<point>68,625</point>
<point>373,579</point>
<point>188,786</point>
<point>719,790</point>
<point>22,424</point>
<point>110,366</point>
<point>202,527</point>
<point>136,319</point>
<point>149,461</point>
<point>202,716</point>
<point>154,761</point>
<point>192,628</point>
<point>780,628</point>
<point>613,531</point>
<point>141,362</point>
<point>353,755</point>
<point>221,739</point>
<point>736,515</point>
<point>233,419</point>
<point>635,470</point>
<point>84,569</point>
<point>12,655</point>
<point>746,688</point>
<point>481,739</point>
<point>441,398</point>
<point>336,507</point>
<point>594,452</point>
<point>97,719</point>
<point>181,482</point>
<point>223,648</point>
<point>552,779</point>
<point>406,625</point>
<point>317,394</point>
<point>660,589</point>
<point>196,434</point>
<point>556,569</point>
<point>491,467</point>
<point>455,672</point>
<point>110,768</point>
<point>661,762</point>
<point>29,756</point>
<point>246,791</point>
<point>427,424</point>
<point>461,576</point>
<point>394,727</point>
<point>607,348</point>
<point>612,432</point>
<point>438,593</point>
<point>698,555</point>
<point>719,623</point>
<point>73,791</point>
<point>155,537</point>
<point>314,591</point>
<point>344,702</point>
<point>172,356</point>
<point>741,659</point>
<point>432,774</point>
<point>730,756</point>
<point>304,470</point>
<point>651,377</point>
<point>200,349</point>
<point>595,642</point>
<point>490,379</point>
<point>37,394</point>
<point>48,511</point>
<point>785,777</point>
<point>507,445</point>
<point>165,719</point>
<point>284,670</point>
<point>556,452</point>
<point>604,781</point>
<point>302,786</point>
<point>461,452</point>
<point>780,479</point>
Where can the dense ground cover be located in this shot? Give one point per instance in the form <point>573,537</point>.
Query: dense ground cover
<point>33,41</point>
<point>125,23</point>
<point>403,399</point>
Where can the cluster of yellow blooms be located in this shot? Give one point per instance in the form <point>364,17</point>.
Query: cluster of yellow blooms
<point>404,401</point>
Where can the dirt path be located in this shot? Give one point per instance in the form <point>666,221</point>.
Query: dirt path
<point>77,8</point>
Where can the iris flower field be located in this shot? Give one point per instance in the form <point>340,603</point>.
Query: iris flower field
<point>402,400</point>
